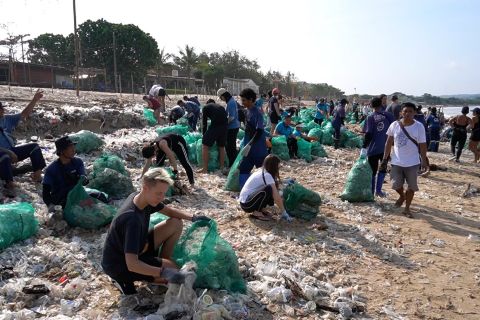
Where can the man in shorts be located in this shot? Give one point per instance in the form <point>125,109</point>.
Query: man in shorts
<point>159,93</point>
<point>407,136</point>
<point>215,133</point>
<point>130,250</point>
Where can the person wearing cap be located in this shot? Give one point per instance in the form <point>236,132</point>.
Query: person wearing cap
<point>433,130</point>
<point>338,121</point>
<point>154,105</point>
<point>322,112</point>
<point>167,147</point>
<point>63,174</point>
<point>459,136</point>
<point>394,108</point>
<point>475,136</point>
<point>233,124</point>
<point>158,92</point>
<point>193,112</point>
<point>274,112</point>
<point>284,128</point>
<point>11,154</point>
<point>215,133</point>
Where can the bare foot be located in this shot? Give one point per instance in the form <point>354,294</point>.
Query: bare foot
<point>406,212</point>
<point>400,201</point>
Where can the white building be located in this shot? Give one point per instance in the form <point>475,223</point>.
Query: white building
<point>235,86</point>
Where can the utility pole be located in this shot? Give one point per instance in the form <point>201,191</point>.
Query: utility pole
<point>115,61</point>
<point>76,45</point>
<point>23,59</point>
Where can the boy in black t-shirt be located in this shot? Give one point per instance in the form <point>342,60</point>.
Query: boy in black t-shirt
<point>130,248</point>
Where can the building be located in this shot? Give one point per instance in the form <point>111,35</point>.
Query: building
<point>235,86</point>
<point>37,75</point>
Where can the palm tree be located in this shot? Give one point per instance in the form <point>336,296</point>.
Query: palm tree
<point>187,59</point>
<point>162,61</point>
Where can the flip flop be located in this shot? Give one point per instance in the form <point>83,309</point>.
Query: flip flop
<point>258,217</point>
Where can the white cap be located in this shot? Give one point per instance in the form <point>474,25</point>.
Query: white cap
<point>221,91</point>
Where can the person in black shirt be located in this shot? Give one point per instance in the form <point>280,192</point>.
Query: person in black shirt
<point>130,250</point>
<point>216,132</point>
<point>168,146</point>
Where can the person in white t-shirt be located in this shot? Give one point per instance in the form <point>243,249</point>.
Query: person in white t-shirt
<point>261,190</point>
<point>159,93</point>
<point>409,152</point>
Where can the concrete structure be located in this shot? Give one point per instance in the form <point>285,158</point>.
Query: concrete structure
<point>235,86</point>
<point>38,75</point>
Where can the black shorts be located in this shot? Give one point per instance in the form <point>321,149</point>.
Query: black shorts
<point>162,93</point>
<point>274,118</point>
<point>149,257</point>
<point>215,134</point>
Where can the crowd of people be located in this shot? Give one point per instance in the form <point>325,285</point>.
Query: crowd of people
<point>398,133</point>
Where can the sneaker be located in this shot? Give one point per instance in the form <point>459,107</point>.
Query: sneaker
<point>126,288</point>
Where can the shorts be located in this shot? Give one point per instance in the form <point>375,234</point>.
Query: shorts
<point>400,175</point>
<point>274,118</point>
<point>215,134</point>
<point>149,257</point>
<point>162,93</point>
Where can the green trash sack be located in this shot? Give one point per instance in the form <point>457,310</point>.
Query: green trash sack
<point>217,263</point>
<point>358,187</point>
<point>156,218</point>
<point>178,129</point>
<point>108,161</point>
<point>316,133</point>
<point>182,121</point>
<point>233,182</point>
<point>318,150</point>
<point>192,137</point>
<point>86,212</point>
<point>328,131</point>
<point>307,115</point>
<point>301,202</point>
<point>212,156</point>
<point>192,153</point>
<point>17,223</point>
<point>86,141</point>
<point>112,182</point>
<point>241,134</point>
<point>280,148</point>
<point>149,116</point>
<point>304,150</point>
<point>310,126</point>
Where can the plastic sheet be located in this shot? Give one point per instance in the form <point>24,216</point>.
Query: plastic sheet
<point>17,223</point>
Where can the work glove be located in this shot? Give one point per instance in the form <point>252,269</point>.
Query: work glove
<point>246,150</point>
<point>172,275</point>
<point>196,218</point>
<point>363,152</point>
<point>286,216</point>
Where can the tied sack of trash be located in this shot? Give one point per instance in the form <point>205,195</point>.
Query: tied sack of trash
<point>301,202</point>
<point>17,223</point>
<point>328,131</point>
<point>318,150</point>
<point>213,163</point>
<point>316,133</point>
<point>150,117</point>
<point>358,186</point>
<point>217,264</point>
<point>86,141</point>
<point>192,153</point>
<point>310,126</point>
<point>109,161</point>
<point>241,134</point>
<point>84,211</point>
<point>280,148</point>
<point>110,176</point>
<point>304,150</point>
<point>178,129</point>
<point>233,182</point>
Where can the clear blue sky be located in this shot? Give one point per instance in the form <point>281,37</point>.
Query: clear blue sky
<point>374,46</point>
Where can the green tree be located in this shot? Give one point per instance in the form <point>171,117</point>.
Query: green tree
<point>187,59</point>
<point>162,61</point>
<point>54,49</point>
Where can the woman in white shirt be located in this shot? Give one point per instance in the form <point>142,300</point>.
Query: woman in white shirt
<point>261,190</point>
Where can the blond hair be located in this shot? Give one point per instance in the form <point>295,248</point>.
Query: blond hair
<point>155,175</point>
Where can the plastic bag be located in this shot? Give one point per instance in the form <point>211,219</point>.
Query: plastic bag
<point>87,141</point>
<point>358,187</point>
<point>112,182</point>
<point>280,148</point>
<point>108,161</point>
<point>301,202</point>
<point>318,150</point>
<point>156,218</point>
<point>328,131</point>
<point>241,134</point>
<point>217,264</point>
<point>233,183</point>
<point>316,133</point>
<point>86,212</point>
<point>310,126</point>
<point>149,116</point>
<point>213,163</point>
<point>178,129</point>
<point>192,137</point>
<point>192,153</point>
<point>304,150</point>
<point>307,115</point>
<point>17,223</point>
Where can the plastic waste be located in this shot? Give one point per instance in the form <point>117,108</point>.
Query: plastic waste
<point>113,183</point>
<point>301,202</point>
<point>279,295</point>
<point>318,150</point>
<point>69,307</point>
<point>358,185</point>
<point>233,183</point>
<point>149,116</point>
<point>280,148</point>
<point>316,133</point>
<point>17,223</point>
<point>156,218</point>
<point>304,150</point>
<point>73,289</point>
<point>87,141</point>
<point>178,129</point>
<point>213,163</point>
<point>217,264</point>
<point>108,161</point>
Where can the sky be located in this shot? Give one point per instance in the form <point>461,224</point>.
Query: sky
<point>359,46</point>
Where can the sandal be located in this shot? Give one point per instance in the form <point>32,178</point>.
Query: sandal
<point>261,217</point>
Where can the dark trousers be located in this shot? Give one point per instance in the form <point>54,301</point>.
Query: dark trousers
<point>192,121</point>
<point>336,136</point>
<point>231,145</point>
<point>258,200</point>
<point>459,137</point>
<point>292,146</point>
<point>374,162</point>
<point>434,139</point>
<point>180,149</point>
<point>24,151</point>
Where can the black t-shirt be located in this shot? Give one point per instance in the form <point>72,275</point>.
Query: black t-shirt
<point>216,113</point>
<point>128,233</point>
<point>171,138</point>
<point>271,104</point>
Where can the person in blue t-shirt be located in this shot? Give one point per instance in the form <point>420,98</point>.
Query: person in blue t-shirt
<point>233,124</point>
<point>284,128</point>
<point>11,154</point>
<point>255,150</point>
<point>63,174</point>
<point>338,121</point>
<point>193,112</point>
<point>322,112</point>
<point>193,99</point>
<point>375,130</point>
<point>433,126</point>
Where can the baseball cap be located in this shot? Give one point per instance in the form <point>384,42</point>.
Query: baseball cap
<point>221,91</point>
